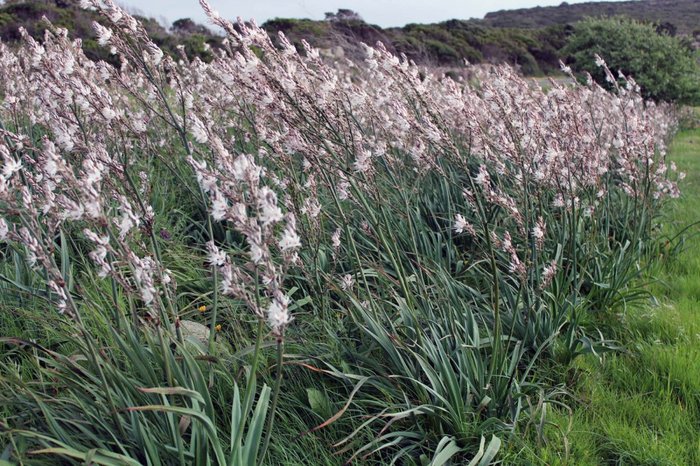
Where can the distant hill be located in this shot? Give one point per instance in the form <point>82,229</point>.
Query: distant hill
<point>445,44</point>
<point>528,38</point>
<point>682,15</point>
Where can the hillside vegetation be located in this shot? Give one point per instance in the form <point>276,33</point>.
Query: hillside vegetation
<point>16,14</point>
<point>530,39</point>
<point>681,14</point>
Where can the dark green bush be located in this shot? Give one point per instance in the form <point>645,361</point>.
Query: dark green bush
<point>662,65</point>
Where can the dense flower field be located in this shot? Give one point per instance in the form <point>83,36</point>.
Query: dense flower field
<point>386,259</point>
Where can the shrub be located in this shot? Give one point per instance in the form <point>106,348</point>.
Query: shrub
<point>662,65</point>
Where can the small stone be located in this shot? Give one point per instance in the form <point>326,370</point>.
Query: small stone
<point>194,331</point>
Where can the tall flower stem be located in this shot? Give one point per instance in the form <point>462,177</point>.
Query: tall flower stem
<point>275,399</point>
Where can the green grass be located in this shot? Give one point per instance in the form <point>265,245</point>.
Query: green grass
<point>640,406</point>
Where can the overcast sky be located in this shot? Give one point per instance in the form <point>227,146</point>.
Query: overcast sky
<point>382,12</point>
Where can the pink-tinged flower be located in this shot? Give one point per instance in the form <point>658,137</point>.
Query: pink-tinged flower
<point>516,266</point>
<point>548,274</point>
<point>103,34</point>
<point>108,113</point>
<point>243,167</point>
<point>482,178</point>
<point>11,167</point>
<point>363,161</point>
<point>99,255</point>
<point>461,225</point>
<point>72,210</point>
<point>62,301</point>
<point>4,229</point>
<point>335,238</point>
<point>205,179</point>
<point>156,54</point>
<point>269,212</point>
<point>290,240</point>
<point>218,206</point>
<point>507,243</point>
<point>92,172</point>
<point>256,253</point>
<point>128,218</point>
<point>538,232</point>
<point>144,270</point>
<point>114,13</point>
<point>199,131</point>
<point>228,283</point>
<point>347,282</point>
<point>167,277</point>
<point>215,255</point>
<point>238,213</point>
<point>311,208</point>
<point>278,314</point>
<point>93,209</point>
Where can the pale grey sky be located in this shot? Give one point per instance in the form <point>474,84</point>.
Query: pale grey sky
<point>382,12</point>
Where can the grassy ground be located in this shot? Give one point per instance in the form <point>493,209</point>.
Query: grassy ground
<point>642,406</point>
